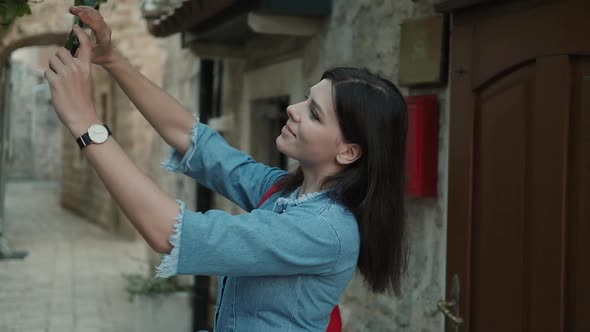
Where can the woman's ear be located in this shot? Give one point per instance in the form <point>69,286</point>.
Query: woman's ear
<point>349,154</point>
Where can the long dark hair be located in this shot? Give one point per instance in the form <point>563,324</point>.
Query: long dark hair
<point>372,113</point>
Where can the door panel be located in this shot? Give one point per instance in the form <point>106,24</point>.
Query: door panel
<point>460,172</point>
<point>548,172</point>
<point>519,177</point>
<point>499,202</point>
<point>578,208</point>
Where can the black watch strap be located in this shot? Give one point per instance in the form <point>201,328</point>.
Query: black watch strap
<point>85,140</point>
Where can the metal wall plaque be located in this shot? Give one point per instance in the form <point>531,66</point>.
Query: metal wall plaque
<point>423,51</point>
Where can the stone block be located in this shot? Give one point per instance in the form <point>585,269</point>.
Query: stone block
<point>168,312</point>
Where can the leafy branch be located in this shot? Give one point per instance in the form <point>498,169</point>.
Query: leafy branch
<point>10,10</point>
<point>137,284</point>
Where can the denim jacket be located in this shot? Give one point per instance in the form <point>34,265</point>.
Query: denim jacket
<point>285,264</point>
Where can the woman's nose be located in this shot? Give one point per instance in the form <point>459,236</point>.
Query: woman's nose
<point>292,113</point>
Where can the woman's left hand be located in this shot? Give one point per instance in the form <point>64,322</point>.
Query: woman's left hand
<point>71,87</point>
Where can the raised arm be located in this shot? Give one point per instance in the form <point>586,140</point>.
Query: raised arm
<point>149,209</point>
<point>168,117</point>
<point>224,169</point>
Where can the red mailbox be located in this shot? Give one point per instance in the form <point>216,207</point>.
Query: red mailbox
<point>422,146</point>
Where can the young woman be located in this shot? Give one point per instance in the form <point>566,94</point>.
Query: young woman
<point>287,262</point>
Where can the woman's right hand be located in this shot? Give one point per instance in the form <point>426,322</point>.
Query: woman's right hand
<point>102,49</point>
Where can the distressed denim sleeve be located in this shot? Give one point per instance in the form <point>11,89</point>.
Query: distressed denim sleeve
<point>226,170</point>
<point>258,243</point>
<point>176,162</point>
<point>169,265</point>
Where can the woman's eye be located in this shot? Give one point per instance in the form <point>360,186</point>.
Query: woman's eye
<point>313,114</point>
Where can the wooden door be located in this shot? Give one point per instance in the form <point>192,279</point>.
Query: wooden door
<point>519,167</point>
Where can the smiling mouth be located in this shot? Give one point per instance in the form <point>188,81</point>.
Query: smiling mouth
<point>286,128</point>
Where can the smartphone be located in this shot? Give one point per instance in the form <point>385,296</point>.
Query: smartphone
<point>72,44</point>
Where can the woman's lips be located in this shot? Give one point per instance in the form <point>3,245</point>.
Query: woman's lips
<point>287,130</point>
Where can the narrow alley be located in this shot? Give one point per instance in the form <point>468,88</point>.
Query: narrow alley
<point>72,277</point>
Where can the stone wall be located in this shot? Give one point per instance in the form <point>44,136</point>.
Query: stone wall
<point>34,146</point>
<point>363,33</point>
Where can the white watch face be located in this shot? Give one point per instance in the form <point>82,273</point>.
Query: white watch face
<point>98,133</point>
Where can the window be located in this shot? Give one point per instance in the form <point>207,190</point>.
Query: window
<point>269,115</point>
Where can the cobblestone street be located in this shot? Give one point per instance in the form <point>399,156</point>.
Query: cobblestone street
<point>71,279</point>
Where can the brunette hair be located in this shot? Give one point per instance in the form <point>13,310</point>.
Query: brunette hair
<point>372,113</point>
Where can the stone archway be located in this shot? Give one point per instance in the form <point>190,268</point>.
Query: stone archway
<point>49,23</point>
<point>44,39</point>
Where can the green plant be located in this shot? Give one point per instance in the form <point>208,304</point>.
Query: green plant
<point>137,284</point>
<point>11,9</point>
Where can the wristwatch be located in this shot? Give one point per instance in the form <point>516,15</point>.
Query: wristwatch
<point>96,134</point>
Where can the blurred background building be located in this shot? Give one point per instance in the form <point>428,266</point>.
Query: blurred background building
<point>501,230</point>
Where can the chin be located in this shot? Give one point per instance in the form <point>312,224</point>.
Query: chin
<point>279,145</point>
<point>281,148</point>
